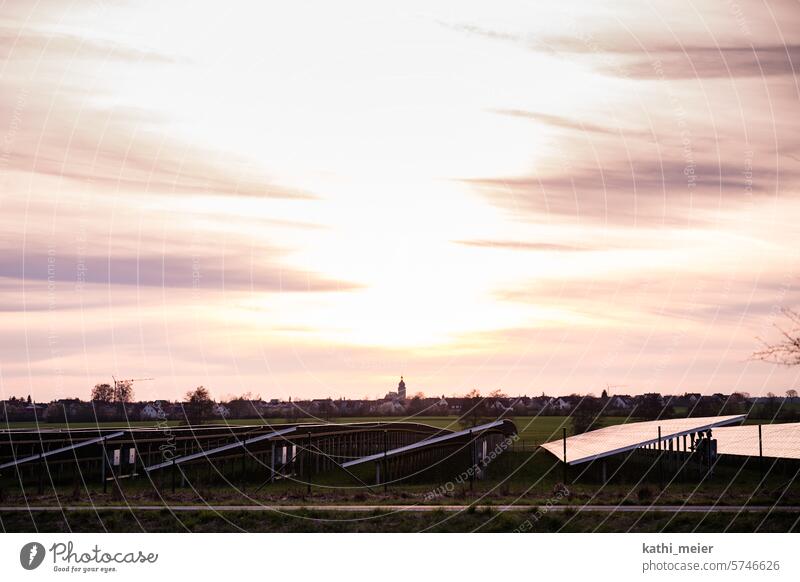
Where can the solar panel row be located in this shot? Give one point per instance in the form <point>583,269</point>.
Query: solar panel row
<point>613,440</point>
<point>781,441</point>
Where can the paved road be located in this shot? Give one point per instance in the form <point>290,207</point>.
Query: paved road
<point>412,508</point>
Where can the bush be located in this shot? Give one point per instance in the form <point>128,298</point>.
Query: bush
<point>645,494</point>
<point>560,490</point>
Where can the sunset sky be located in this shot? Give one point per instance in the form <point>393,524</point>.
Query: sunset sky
<point>310,199</point>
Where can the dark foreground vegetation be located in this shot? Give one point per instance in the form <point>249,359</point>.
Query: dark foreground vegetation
<point>516,477</point>
<point>380,521</point>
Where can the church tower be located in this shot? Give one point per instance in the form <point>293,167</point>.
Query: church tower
<point>401,389</point>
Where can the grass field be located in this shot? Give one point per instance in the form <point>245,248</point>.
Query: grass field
<point>533,430</point>
<point>516,477</point>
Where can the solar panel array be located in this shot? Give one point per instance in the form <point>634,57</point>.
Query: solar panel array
<point>777,440</point>
<point>621,438</point>
<point>209,453</point>
<point>434,440</point>
<point>71,447</point>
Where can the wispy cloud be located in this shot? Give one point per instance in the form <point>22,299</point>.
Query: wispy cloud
<point>36,44</point>
<point>260,273</point>
<point>523,245</point>
<point>577,125</point>
<point>757,45</point>
<point>708,62</point>
<point>118,149</point>
<point>642,190</point>
<point>66,129</point>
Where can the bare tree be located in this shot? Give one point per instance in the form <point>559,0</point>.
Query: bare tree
<point>103,393</point>
<point>123,391</point>
<point>786,352</point>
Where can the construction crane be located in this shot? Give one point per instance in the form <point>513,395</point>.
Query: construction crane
<point>131,380</point>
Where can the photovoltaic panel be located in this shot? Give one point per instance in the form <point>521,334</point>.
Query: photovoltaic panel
<point>426,443</point>
<point>220,449</point>
<point>71,447</point>
<point>777,440</point>
<point>620,438</point>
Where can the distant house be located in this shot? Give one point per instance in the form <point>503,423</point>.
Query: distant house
<point>390,407</point>
<point>559,404</point>
<point>538,403</point>
<point>18,410</point>
<point>150,412</point>
<point>69,410</point>
<point>619,402</point>
<point>220,410</point>
<point>655,396</point>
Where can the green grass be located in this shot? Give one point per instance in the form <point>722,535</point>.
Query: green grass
<point>533,430</point>
<point>520,477</point>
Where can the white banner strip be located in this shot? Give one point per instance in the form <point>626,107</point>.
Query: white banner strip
<point>399,557</point>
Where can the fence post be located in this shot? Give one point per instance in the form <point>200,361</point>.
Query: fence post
<point>244,462</point>
<point>103,467</point>
<point>385,462</point>
<point>472,456</point>
<point>564,437</point>
<point>308,463</point>
<point>272,463</point>
<point>660,461</point>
